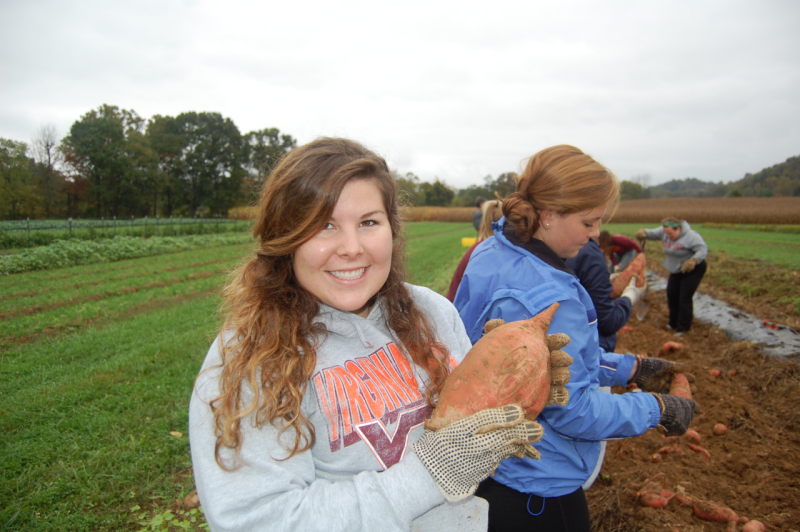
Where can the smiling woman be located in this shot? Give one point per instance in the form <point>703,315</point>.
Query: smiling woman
<point>308,411</point>
<point>346,264</point>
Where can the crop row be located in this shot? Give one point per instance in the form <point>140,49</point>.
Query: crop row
<point>64,253</point>
<point>75,314</point>
<point>92,291</point>
<point>48,281</point>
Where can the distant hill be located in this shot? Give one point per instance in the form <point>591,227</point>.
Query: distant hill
<point>690,187</point>
<point>780,180</point>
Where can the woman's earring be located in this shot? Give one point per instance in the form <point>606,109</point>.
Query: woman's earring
<point>547,225</point>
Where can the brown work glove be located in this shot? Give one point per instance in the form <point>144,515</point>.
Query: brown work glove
<point>641,235</point>
<point>559,364</point>
<point>654,374</point>
<point>689,265</point>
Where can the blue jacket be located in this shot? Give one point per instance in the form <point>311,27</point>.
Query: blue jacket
<point>592,271</point>
<point>515,281</point>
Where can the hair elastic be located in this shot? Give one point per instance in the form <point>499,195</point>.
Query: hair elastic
<point>528,507</point>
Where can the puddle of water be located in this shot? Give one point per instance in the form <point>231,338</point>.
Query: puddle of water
<point>738,325</point>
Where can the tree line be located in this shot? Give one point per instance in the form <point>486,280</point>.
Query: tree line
<point>115,163</point>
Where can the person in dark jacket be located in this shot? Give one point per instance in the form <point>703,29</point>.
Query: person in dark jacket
<point>590,268</point>
<point>477,214</point>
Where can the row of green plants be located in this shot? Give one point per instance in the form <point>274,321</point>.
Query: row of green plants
<point>32,233</point>
<point>79,300</point>
<point>63,253</point>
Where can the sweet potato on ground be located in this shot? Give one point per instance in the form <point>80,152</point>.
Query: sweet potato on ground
<point>713,512</point>
<point>510,364</point>
<point>637,268</point>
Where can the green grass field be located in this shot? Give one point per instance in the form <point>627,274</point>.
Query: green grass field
<point>97,364</point>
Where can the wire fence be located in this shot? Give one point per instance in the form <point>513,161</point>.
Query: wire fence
<point>28,233</point>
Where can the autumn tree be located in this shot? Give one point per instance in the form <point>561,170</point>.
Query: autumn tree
<point>18,197</point>
<point>107,148</point>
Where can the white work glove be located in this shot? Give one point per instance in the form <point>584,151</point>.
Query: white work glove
<point>464,453</point>
<point>632,292</point>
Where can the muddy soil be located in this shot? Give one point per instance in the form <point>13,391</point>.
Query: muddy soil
<point>753,469</point>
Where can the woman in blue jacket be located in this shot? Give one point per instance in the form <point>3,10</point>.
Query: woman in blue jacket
<point>560,200</point>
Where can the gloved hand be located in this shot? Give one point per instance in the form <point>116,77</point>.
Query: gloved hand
<point>613,276</point>
<point>632,292</point>
<point>464,453</point>
<point>654,374</point>
<point>559,363</point>
<point>559,369</point>
<point>641,234</point>
<point>677,413</point>
<point>689,265</point>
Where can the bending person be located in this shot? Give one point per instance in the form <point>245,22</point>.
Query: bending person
<point>619,249</point>
<point>559,202</point>
<point>491,213</point>
<point>685,252</point>
<point>308,412</point>
<point>589,265</point>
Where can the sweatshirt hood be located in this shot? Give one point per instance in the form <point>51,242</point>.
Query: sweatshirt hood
<point>348,324</point>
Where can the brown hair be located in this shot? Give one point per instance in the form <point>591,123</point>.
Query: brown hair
<point>561,179</point>
<point>491,212</point>
<point>605,239</point>
<point>271,317</point>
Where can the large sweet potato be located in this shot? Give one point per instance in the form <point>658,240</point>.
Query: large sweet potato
<point>636,267</point>
<point>510,364</point>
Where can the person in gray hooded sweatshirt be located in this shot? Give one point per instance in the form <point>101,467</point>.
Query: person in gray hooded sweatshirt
<point>685,252</point>
<point>308,411</point>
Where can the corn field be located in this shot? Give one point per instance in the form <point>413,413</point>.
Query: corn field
<point>780,210</point>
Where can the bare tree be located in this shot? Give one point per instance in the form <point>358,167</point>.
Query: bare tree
<point>642,179</point>
<point>47,156</point>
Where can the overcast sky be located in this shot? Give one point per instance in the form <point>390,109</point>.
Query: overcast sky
<point>455,90</point>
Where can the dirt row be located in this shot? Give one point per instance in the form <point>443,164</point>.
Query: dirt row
<point>753,469</point>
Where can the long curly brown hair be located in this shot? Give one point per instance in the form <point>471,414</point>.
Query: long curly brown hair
<point>562,179</point>
<point>269,317</point>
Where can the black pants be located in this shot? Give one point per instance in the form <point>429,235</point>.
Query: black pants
<point>511,511</point>
<point>680,291</point>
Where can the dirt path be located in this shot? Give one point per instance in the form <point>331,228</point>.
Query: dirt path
<point>754,469</point>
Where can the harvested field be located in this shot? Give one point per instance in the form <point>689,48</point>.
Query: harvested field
<point>753,469</point>
<point>721,210</point>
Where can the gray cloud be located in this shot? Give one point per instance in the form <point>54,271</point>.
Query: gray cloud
<point>449,90</point>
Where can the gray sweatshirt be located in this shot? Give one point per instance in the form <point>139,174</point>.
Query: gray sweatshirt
<point>689,244</point>
<point>367,404</point>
